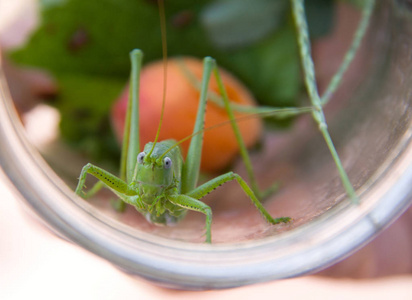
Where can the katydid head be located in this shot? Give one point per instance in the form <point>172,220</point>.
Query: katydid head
<point>155,171</point>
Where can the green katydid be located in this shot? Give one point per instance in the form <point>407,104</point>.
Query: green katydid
<point>159,183</point>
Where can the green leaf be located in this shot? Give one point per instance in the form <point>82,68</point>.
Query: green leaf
<point>92,37</point>
<point>238,23</point>
<point>85,44</point>
<point>84,114</point>
<point>272,68</point>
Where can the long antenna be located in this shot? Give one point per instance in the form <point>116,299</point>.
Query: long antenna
<point>164,50</point>
<point>283,112</point>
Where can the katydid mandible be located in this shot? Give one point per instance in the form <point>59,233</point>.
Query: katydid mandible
<point>158,182</point>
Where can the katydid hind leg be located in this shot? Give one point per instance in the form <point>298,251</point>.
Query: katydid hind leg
<point>260,194</point>
<point>191,167</point>
<point>252,111</point>
<point>131,139</point>
<point>212,184</point>
<point>298,10</point>
<point>131,143</point>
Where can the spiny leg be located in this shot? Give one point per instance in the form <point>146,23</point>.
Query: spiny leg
<point>94,190</point>
<point>110,180</point>
<point>242,146</point>
<point>116,203</point>
<point>191,167</point>
<point>191,203</point>
<point>131,141</point>
<point>298,10</point>
<point>251,111</point>
<point>212,184</point>
<point>351,52</point>
<point>130,146</point>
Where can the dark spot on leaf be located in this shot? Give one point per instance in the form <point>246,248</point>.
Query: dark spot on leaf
<point>81,114</point>
<point>50,28</point>
<point>182,19</point>
<point>79,39</point>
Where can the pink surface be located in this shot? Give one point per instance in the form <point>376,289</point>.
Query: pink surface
<point>35,263</point>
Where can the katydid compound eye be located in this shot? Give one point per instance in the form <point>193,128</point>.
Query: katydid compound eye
<point>140,157</point>
<point>167,163</point>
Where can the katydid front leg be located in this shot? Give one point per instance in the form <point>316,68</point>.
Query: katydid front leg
<point>191,203</point>
<point>117,185</point>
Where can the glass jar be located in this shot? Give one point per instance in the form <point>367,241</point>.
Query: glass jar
<point>371,132</point>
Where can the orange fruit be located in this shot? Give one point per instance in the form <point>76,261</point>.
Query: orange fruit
<point>220,146</point>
